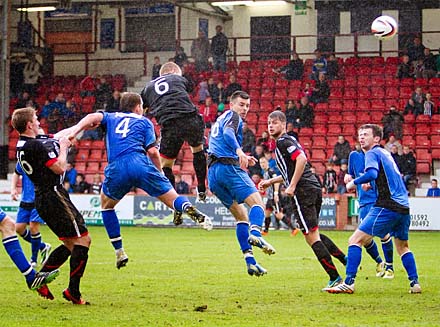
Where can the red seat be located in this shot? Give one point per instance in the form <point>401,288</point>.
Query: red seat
<point>320,118</point>
<point>435,154</point>
<point>350,105</point>
<point>423,168</point>
<point>422,155</point>
<point>405,92</point>
<point>349,130</point>
<point>391,81</point>
<point>321,107</point>
<point>435,129</point>
<point>82,155</point>
<point>93,167</point>
<point>363,117</point>
<point>422,142</point>
<point>318,155</point>
<point>377,92</point>
<point>96,154</point>
<point>409,118</point>
<point>392,61</point>
<point>350,93</point>
<point>409,140</point>
<point>318,130</point>
<point>364,105</point>
<point>378,70</point>
<point>306,142</point>
<point>365,61</point>
<point>391,92</point>
<point>423,130</point>
<point>407,82</point>
<point>378,105</point>
<point>335,105</point>
<point>98,144</point>
<point>80,167</point>
<point>319,142</point>
<point>364,93</point>
<point>377,81</point>
<point>363,81</point>
<point>334,129</point>
<point>336,93</point>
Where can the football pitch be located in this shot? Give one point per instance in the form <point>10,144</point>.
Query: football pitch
<point>190,277</point>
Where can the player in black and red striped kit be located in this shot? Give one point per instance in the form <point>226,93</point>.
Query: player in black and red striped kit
<point>43,159</point>
<point>305,192</point>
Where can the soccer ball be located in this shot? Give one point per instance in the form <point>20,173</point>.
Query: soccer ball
<point>384,27</point>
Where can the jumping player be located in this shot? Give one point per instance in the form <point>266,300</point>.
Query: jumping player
<point>27,214</point>
<point>305,191</point>
<point>229,181</point>
<point>167,100</point>
<point>390,213</point>
<point>43,160</point>
<point>133,161</point>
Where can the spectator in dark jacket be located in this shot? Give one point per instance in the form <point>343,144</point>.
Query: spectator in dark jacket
<point>219,48</point>
<point>407,165</point>
<point>304,115</point>
<point>182,187</point>
<point>248,138</point>
<point>393,123</point>
<point>341,150</point>
<point>180,58</point>
<point>232,87</point>
<point>415,50</point>
<point>405,70</point>
<point>332,68</point>
<point>80,186</point>
<point>294,70</point>
<point>429,64</point>
<point>321,91</point>
<point>156,68</point>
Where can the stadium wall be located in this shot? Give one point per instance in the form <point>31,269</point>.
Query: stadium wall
<point>302,25</point>
<point>337,212</point>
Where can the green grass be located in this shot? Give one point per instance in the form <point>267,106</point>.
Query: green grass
<point>173,271</point>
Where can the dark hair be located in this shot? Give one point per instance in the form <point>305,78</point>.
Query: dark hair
<point>277,115</point>
<point>239,94</point>
<point>434,180</point>
<point>377,130</point>
<point>129,101</point>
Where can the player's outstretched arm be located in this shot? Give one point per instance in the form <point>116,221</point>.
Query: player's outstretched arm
<point>60,165</point>
<point>90,121</point>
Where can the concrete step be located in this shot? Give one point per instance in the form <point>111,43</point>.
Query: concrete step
<point>421,191</point>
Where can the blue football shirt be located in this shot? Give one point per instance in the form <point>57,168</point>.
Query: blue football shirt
<point>127,133</point>
<point>356,167</point>
<point>218,145</point>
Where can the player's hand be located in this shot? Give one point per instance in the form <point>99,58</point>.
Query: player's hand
<point>14,194</point>
<point>279,215</point>
<point>64,141</point>
<point>350,185</point>
<point>366,186</point>
<point>290,190</point>
<point>264,184</point>
<point>252,161</point>
<point>347,178</point>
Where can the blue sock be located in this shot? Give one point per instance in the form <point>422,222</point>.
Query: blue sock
<point>373,251</point>
<point>35,245</point>
<point>387,247</point>
<point>13,248</point>
<point>354,257</point>
<point>181,203</point>
<point>242,233</point>
<point>256,218</point>
<point>409,263</point>
<point>112,227</point>
<point>27,235</point>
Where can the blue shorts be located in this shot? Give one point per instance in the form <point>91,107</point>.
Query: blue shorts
<point>134,171</point>
<point>230,183</point>
<point>26,216</point>
<point>381,221</point>
<point>2,215</point>
<point>363,211</point>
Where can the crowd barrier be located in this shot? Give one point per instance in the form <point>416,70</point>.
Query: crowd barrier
<point>148,211</point>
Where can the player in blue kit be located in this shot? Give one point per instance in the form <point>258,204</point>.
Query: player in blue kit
<point>35,280</point>
<point>229,181</point>
<point>133,161</point>
<point>367,197</point>
<point>390,213</point>
<point>27,214</point>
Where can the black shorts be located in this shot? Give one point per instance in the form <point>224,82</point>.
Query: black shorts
<point>270,205</point>
<point>175,131</point>
<point>306,208</point>
<point>57,210</point>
